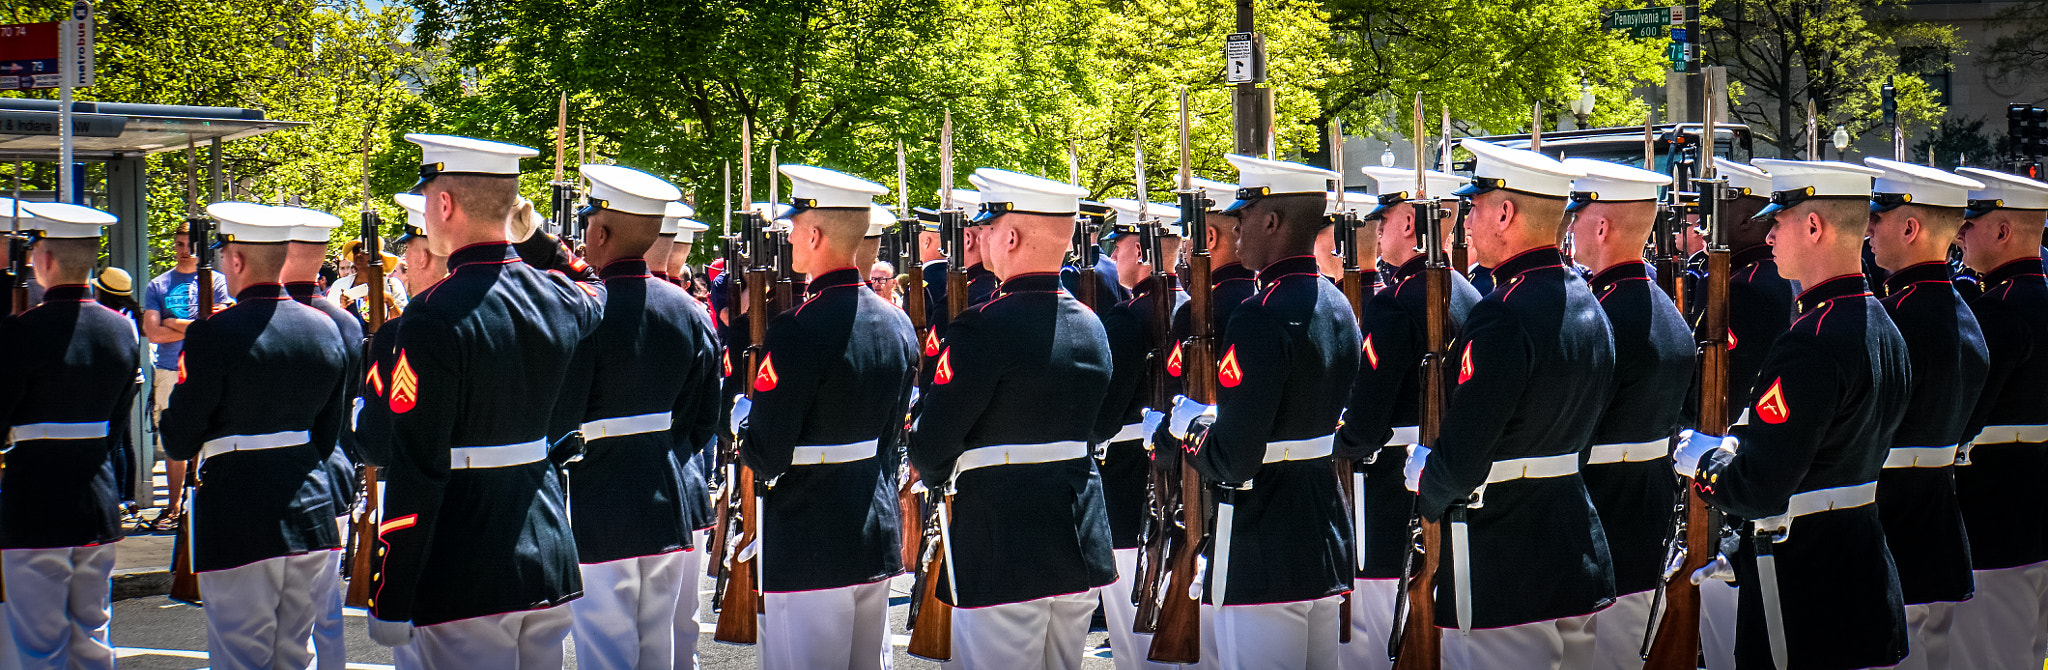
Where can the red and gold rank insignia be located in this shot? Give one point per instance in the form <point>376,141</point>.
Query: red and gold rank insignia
<point>1731,339</point>
<point>375,380</point>
<point>944,373</point>
<point>1228,373</point>
<point>931,343</point>
<point>405,386</point>
<point>1371,357</point>
<point>181,367</point>
<point>1173,361</point>
<point>1465,364</point>
<point>765,378</point>
<point>1771,408</point>
<point>726,359</point>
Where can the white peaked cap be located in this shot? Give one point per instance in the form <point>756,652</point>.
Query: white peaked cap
<point>1922,185</point>
<point>1605,181</point>
<point>1744,176</point>
<point>451,154</point>
<point>2004,191</point>
<point>672,215</point>
<point>252,223</point>
<point>879,219</point>
<point>1517,170</point>
<point>65,220</point>
<point>1221,195</point>
<point>1271,177</point>
<point>964,199</point>
<point>1019,192</point>
<point>1127,212</point>
<point>415,206</point>
<point>626,190</point>
<point>1442,185</point>
<point>816,187</point>
<point>311,226</point>
<point>1794,181</point>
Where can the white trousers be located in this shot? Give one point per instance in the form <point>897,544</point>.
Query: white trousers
<point>1717,624</point>
<point>58,605</point>
<point>529,640</point>
<point>330,652</point>
<point>1126,649</point>
<point>626,617</point>
<point>846,627</point>
<point>1927,638</point>
<point>261,615</point>
<point>688,622</point>
<point>1619,629</point>
<point>1279,636</point>
<point>1049,633</point>
<point>2006,624</point>
<point>9,659</point>
<point>1557,644</point>
<point>1372,620</point>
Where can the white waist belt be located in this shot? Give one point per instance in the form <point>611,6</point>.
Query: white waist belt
<point>1533,468</point>
<point>57,431</point>
<point>1920,457</point>
<point>2006,434</point>
<point>627,425</point>
<point>1300,450</point>
<point>1135,431</point>
<point>222,445</point>
<point>1405,435</point>
<point>504,455</point>
<point>1628,453</point>
<point>834,453</point>
<point>1019,454</point>
<point>1813,502</point>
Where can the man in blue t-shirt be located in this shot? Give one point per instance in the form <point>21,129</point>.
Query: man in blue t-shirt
<point>169,304</point>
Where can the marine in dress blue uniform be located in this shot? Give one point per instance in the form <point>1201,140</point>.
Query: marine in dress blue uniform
<point>1121,437</point>
<point>1109,290</point>
<point>474,556</point>
<point>1535,366</point>
<point>829,398</point>
<point>647,403</point>
<point>1817,584</point>
<point>260,400</point>
<point>67,386</point>
<point>1282,557</point>
<point>2001,465</point>
<point>1916,211</point>
<point>1005,426</point>
<point>1612,211</point>
<point>1384,408</point>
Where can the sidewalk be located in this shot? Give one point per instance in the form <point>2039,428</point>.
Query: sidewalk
<point>142,560</point>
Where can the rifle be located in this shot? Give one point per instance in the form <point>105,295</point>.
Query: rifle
<point>1416,642</point>
<point>363,532</point>
<point>912,268</point>
<point>1085,251</point>
<point>1350,473</point>
<point>1461,261</point>
<point>198,233</point>
<point>565,194</point>
<point>1675,625</point>
<point>931,634</point>
<point>738,588</point>
<point>1159,481</point>
<point>1177,636</point>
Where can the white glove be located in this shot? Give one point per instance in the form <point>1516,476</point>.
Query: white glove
<point>1692,446</point>
<point>1185,411</point>
<point>913,396</point>
<point>1719,569</point>
<point>1411,472</point>
<point>391,633</point>
<point>1152,420</point>
<point>741,407</point>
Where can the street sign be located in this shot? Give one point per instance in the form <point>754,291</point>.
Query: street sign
<point>1678,15</point>
<point>1639,23</point>
<point>78,43</point>
<point>46,123</point>
<point>29,55</point>
<point>1240,59</point>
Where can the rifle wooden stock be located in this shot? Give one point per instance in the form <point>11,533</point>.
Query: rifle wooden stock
<point>1677,642</point>
<point>184,576</point>
<point>1421,642</point>
<point>931,636</point>
<point>1178,635</point>
<point>740,597</point>
<point>909,506</point>
<point>363,531</point>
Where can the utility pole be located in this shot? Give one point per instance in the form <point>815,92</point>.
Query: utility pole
<point>1252,108</point>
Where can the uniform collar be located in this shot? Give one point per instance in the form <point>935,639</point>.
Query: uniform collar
<point>482,252</point>
<point>1146,286</point>
<point>1750,256</point>
<point>1292,265</point>
<point>1533,259</point>
<point>1620,272</point>
<point>835,279</point>
<point>1230,272</point>
<point>1845,286</point>
<point>265,291</point>
<point>624,267</point>
<point>77,292</point>
<point>1914,274</point>
<point>300,290</point>
<point>977,270</point>
<point>2018,268</point>
<point>1043,282</point>
<point>662,275</point>
<point>1409,268</point>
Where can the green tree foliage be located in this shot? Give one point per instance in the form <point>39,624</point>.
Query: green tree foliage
<point>1836,54</point>
<point>2024,51</point>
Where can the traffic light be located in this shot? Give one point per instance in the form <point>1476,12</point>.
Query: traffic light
<point>2027,129</point>
<point>1890,97</point>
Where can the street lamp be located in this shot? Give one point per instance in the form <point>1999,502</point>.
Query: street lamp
<point>1841,140</point>
<point>1387,157</point>
<point>1582,107</point>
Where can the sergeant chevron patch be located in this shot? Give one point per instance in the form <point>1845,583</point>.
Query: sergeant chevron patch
<point>405,386</point>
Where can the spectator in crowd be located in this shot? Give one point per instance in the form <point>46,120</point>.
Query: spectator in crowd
<point>169,304</point>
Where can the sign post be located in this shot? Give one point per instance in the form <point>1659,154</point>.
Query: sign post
<point>74,68</point>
